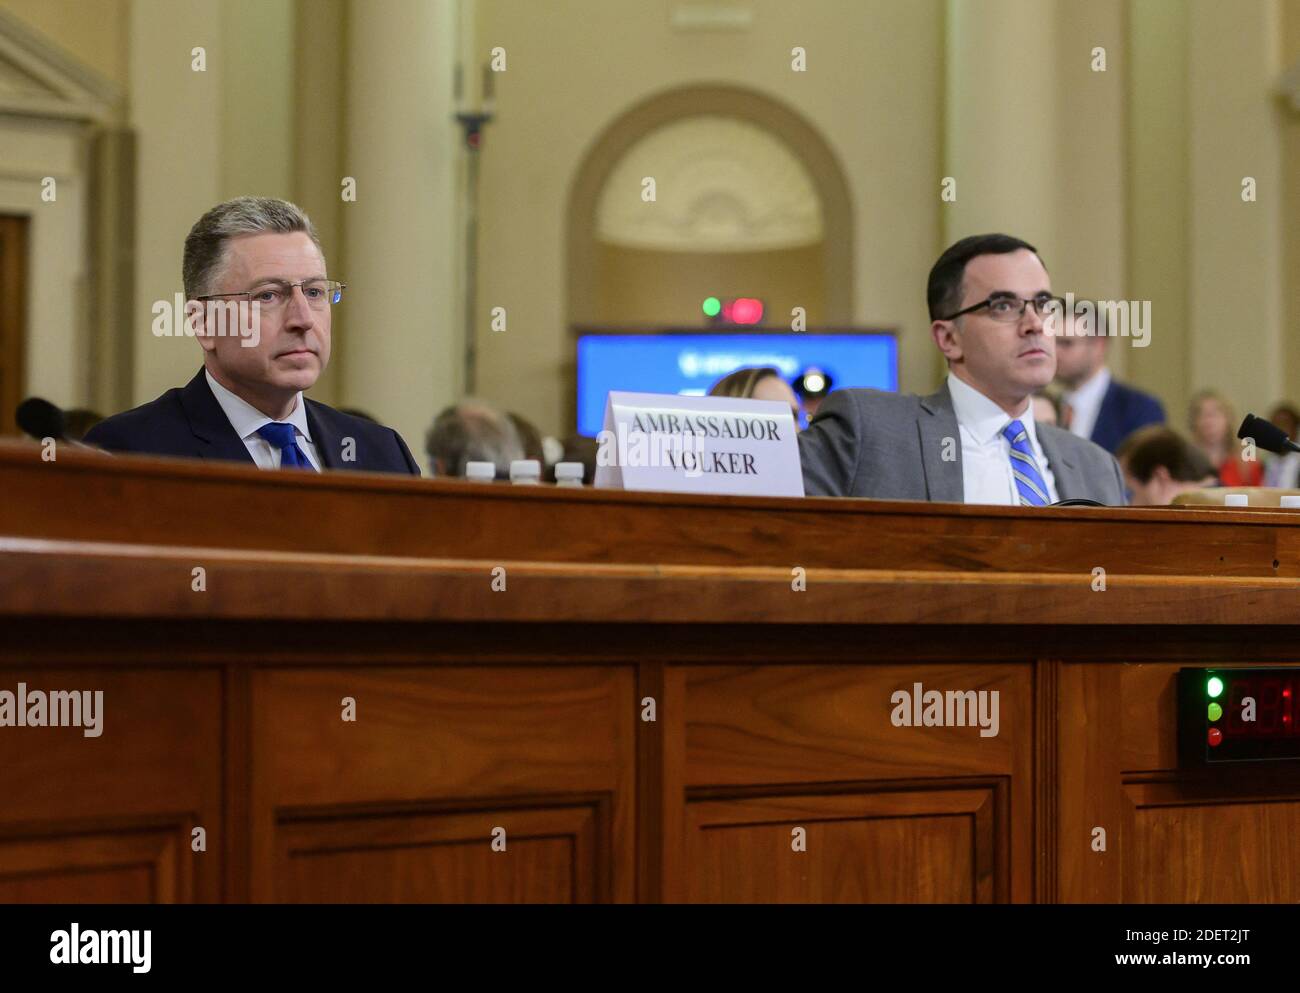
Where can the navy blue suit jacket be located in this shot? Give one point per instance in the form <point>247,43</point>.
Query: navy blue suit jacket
<point>1124,410</point>
<point>189,423</point>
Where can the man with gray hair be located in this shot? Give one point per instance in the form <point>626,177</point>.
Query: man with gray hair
<point>259,302</point>
<point>472,431</point>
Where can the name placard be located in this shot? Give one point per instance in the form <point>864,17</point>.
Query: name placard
<point>683,444</point>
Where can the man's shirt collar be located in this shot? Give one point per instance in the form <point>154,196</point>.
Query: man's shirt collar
<point>246,419</point>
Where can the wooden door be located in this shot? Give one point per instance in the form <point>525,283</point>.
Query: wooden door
<point>13,292</point>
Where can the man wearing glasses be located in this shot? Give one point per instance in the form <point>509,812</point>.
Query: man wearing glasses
<point>994,319</point>
<point>260,304</point>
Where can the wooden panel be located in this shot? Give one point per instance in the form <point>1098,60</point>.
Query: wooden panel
<point>823,723</point>
<point>661,787</point>
<point>13,320</point>
<point>775,725</point>
<point>62,775</point>
<point>126,866</point>
<point>1201,844</point>
<point>144,581</point>
<point>151,501</point>
<point>550,856</point>
<point>1149,697</point>
<point>1047,674</point>
<point>1088,740</point>
<point>521,709</point>
<point>925,846</point>
<point>445,736</point>
<point>158,757</point>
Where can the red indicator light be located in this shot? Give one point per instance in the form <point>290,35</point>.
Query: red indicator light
<point>745,310</point>
<point>1215,736</point>
<point>1287,691</point>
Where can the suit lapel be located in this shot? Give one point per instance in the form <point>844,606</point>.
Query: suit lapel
<point>210,425</point>
<point>937,424</point>
<point>1070,483</point>
<point>1107,412</point>
<point>329,446</point>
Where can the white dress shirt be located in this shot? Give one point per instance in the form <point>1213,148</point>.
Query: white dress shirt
<point>1085,403</point>
<point>1283,471</point>
<point>246,419</point>
<point>986,474</point>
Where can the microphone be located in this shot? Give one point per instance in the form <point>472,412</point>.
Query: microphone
<point>40,419</point>
<point>1267,435</point>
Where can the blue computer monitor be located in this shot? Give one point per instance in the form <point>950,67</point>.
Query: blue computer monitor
<point>689,362</point>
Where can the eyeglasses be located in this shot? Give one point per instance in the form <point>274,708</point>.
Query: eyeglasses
<point>1006,308</point>
<point>275,293</point>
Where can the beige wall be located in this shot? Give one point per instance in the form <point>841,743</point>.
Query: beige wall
<point>178,168</point>
<point>873,89</point>
<point>402,357</point>
<point>660,288</point>
<point>1034,142</point>
<point>95,32</point>
<point>318,125</point>
<point>1158,196</point>
<point>257,97</point>
<point>1129,180</point>
<point>1235,247</point>
<point>1291,212</point>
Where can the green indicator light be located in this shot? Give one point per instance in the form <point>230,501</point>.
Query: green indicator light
<point>1215,711</point>
<point>712,307</point>
<point>1215,686</point>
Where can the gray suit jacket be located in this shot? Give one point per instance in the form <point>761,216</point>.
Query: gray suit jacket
<point>890,446</point>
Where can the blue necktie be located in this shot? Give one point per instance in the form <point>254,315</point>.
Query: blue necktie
<point>281,436</point>
<point>1029,481</point>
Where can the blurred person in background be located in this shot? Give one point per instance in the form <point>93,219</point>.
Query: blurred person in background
<point>1101,408</point>
<point>758,383</point>
<point>1047,406</point>
<point>1159,464</point>
<point>580,448</point>
<point>472,431</point>
<point>1286,417</point>
<point>530,438</point>
<point>1284,470</point>
<point>1213,424</point>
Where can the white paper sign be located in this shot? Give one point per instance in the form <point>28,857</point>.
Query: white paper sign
<point>683,444</point>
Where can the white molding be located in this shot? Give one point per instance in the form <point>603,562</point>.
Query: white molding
<point>67,89</point>
<point>711,17</point>
<point>722,184</point>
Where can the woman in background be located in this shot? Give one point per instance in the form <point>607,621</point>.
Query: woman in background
<point>1212,422</point>
<point>758,383</point>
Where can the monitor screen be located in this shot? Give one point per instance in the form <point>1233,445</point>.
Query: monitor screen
<point>689,363</point>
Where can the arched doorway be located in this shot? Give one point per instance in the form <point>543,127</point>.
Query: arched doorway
<point>603,252</point>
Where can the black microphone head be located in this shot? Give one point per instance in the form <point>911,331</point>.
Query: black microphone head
<point>1267,435</point>
<point>40,419</point>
